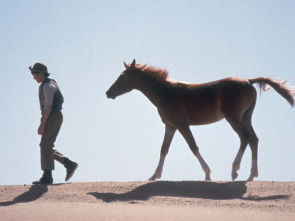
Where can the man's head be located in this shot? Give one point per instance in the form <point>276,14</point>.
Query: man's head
<point>39,72</point>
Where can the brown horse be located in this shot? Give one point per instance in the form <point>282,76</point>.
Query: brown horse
<point>182,104</point>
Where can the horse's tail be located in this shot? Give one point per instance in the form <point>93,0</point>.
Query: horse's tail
<point>280,86</point>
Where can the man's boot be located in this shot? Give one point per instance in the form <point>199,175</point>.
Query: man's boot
<point>71,167</point>
<point>46,178</point>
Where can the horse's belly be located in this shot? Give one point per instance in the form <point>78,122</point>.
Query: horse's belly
<point>207,117</point>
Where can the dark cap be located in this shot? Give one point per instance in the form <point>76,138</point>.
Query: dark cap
<point>39,67</point>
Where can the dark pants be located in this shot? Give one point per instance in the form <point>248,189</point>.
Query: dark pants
<point>48,154</point>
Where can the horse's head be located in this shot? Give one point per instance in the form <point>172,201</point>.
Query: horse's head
<point>126,82</point>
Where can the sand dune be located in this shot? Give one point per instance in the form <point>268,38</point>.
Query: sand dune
<point>162,200</point>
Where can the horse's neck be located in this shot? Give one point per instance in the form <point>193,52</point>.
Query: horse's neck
<point>155,90</point>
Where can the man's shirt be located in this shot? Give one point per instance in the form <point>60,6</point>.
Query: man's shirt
<point>50,96</point>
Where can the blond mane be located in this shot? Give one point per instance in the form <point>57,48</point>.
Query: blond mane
<point>161,74</point>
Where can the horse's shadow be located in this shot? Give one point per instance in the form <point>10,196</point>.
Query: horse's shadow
<point>186,189</point>
<point>189,189</point>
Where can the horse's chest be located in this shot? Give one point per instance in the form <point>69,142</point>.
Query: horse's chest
<point>172,116</point>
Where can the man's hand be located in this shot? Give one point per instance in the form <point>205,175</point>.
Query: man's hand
<point>41,129</point>
<point>44,118</point>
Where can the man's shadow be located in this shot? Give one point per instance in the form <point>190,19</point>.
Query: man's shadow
<point>34,193</point>
<point>187,189</point>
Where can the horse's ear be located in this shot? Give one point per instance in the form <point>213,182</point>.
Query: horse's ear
<point>126,66</point>
<point>142,66</point>
<point>133,63</point>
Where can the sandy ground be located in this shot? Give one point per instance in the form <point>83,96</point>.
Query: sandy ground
<point>162,200</point>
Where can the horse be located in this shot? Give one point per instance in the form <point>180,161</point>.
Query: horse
<point>181,105</point>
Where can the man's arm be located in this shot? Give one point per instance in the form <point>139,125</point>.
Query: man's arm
<point>44,118</point>
<point>48,92</point>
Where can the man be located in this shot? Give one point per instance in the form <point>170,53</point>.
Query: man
<point>51,101</point>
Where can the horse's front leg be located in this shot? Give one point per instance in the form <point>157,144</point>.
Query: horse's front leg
<point>169,133</point>
<point>188,136</point>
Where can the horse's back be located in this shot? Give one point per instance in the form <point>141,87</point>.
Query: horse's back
<point>226,88</point>
<point>209,102</point>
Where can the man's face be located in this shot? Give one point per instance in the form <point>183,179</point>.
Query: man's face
<point>38,77</point>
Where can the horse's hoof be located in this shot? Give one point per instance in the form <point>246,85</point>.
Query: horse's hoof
<point>207,178</point>
<point>234,176</point>
<point>250,179</point>
<point>253,175</point>
<point>154,177</point>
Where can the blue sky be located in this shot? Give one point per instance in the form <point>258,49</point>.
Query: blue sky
<point>84,44</point>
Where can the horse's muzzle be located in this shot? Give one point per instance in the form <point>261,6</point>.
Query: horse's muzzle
<point>110,95</point>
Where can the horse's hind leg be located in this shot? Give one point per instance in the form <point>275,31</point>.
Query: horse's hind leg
<point>254,148</point>
<point>169,133</point>
<point>188,136</point>
<point>253,142</point>
<point>244,134</point>
<point>244,129</point>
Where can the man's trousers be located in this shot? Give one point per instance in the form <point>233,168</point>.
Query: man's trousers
<point>48,154</point>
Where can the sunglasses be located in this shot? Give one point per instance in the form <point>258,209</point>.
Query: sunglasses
<point>35,72</point>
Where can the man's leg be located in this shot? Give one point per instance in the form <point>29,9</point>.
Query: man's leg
<point>51,131</point>
<point>70,166</point>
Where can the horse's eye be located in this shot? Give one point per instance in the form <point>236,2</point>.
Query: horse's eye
<point>124,74</point>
